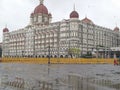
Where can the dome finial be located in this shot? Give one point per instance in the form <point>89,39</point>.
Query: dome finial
<point>41,1</point>
<point>74,7</point>
<point>85,15</point>
<point>5,25</point>
<point>116,24</point>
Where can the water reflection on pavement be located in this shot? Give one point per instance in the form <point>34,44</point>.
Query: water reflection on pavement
<point>59,77</point>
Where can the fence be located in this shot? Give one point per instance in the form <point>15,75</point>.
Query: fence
<point>58,60</point>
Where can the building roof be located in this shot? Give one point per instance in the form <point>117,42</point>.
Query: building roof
<point>87,20</point>
<point>41,9</point>
<point>74,14</point>
<point>116,28</point>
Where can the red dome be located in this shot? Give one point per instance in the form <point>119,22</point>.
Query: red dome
<point>50,14</point>
<point>116,28</point>
<point>41,9</point>
<point>5,30</point>
<point>31,14</point>
<point>74,14</point>
<point>86,20</point>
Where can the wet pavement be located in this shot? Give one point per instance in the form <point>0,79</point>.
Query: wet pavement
<point>59,77</point>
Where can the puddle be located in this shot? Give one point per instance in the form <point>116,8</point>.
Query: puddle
<point>59,77</point>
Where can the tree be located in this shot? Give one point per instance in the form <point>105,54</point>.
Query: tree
<point>74,52</point>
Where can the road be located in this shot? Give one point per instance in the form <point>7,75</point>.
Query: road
<point>66,77</point>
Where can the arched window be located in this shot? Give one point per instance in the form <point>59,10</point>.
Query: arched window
<point>61,56</point>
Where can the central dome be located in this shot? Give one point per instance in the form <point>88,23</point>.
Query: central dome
<point>41,9</point>
<point>74,14</point>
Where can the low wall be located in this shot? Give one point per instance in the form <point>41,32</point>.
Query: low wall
<point>58,60</point>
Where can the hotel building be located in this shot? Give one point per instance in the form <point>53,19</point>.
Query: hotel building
<point>42,37</point>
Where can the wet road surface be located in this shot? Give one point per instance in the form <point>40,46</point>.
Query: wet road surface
<point>60,77</point>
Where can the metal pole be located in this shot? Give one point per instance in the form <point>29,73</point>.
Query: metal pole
<point>22,53</point>
<point>49,55</point>
<point>69,41</point>
<point>97,51</point>
<point>34,45</point>
<point>105,51</point>
<point>69,50</point>
<point>16,48</point>
<point>8,53</point>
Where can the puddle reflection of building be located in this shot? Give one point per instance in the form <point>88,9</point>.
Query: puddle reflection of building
<point>77,82</point>
<point>53,73</point>
<point>48,69</point>
<point>4,79</point>
<point>57,77</point>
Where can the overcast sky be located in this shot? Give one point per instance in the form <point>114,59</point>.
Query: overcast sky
<point>15,13</point>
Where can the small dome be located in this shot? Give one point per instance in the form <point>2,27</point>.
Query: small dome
<point>5,30</point>
<point>41,9</point>
<point>31,14</point>
<point>116,28</point>
<point>50,15</point>
<point>74,14</point>
<point>86,20</point>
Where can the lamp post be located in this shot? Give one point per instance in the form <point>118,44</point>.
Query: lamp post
<point>16,48</point>
<point>49,54</point>
<point>105,51</point>
<point>97,51</point>
<point>92,52</point>
<point>22,53</point>
<point>69,47</point>
<point>8,53</point>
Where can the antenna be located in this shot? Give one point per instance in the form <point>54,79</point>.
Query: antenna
<point>115,21</point>
<point>85,15</point>
<point>5,25</point>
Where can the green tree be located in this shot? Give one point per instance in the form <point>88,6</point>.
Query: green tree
<point>74,52</point>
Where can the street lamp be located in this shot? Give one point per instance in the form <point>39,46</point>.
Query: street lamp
<point>49,55</point>
<point>97,49</point>
<point>22,53</point>
<point>16,48</point>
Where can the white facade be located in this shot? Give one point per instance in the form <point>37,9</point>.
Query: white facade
<point>42,36</point>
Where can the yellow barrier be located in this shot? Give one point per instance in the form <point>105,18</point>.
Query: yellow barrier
<point>58,60</point>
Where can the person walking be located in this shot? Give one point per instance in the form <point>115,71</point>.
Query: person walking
<point>115,62</point>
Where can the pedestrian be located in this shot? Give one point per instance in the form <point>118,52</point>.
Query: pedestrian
<point>115,62</point>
